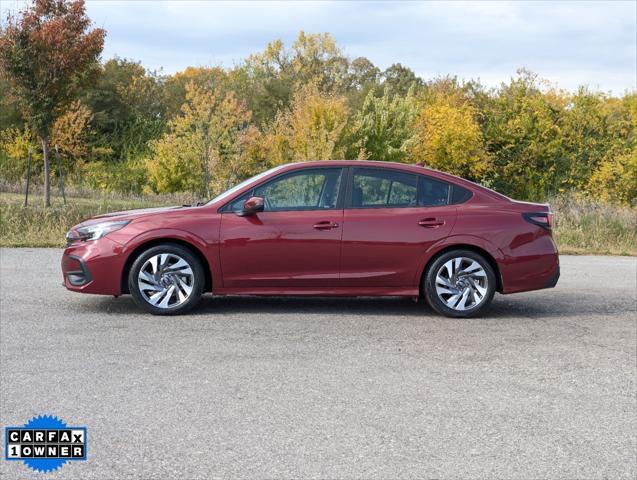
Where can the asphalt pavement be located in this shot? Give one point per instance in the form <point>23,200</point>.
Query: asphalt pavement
<point>544,386</point>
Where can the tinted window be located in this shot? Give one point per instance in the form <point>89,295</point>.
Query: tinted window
<point>432,192</point>
<point>375,187</point>
<point>460,195</point>
<point>303,190</point>
<point>237,204</point>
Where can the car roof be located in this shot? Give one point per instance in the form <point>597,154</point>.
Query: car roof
<point>365,163</point>
<point>412,168</point>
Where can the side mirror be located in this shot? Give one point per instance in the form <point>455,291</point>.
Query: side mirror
<point>252,206</point>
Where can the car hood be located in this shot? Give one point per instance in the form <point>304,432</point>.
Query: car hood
<point>129,215</point>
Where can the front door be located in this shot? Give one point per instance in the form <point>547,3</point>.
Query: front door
<point>390,221</point>
<point>295,241</point>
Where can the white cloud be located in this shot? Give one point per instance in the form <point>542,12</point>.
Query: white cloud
<point>569,42</point>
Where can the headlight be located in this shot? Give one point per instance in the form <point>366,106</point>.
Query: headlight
<point>95,231</point>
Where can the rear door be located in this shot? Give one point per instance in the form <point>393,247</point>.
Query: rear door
<point>390,220</point>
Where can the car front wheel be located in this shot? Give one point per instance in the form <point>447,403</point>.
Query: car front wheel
<point>460,283</point>
<point>166,280</point>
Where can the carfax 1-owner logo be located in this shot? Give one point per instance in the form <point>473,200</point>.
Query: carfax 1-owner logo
<point>45,443</point>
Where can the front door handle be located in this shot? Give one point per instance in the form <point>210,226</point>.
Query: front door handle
<point>325,225</point>
<point>431,222</point>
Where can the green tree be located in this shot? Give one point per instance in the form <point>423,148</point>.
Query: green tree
<point>204,148</point>
<point>269,79</point>
<point>129,107</point>
<point>522,131</point>
<point>46,54</point>
<point>382,128</point>
<point>400,79</point>
<point>10,116</point>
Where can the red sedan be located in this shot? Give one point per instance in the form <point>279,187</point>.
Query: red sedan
<point>351,228</point>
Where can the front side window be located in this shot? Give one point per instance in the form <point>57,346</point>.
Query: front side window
<point>304,190</point>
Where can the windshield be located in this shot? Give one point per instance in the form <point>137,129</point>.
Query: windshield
<point>236,188</point>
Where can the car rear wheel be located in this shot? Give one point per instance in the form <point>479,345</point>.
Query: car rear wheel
<point>459,283</point>
<point>166,280</point>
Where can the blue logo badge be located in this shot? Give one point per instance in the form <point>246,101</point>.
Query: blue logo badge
<point>45,443</point>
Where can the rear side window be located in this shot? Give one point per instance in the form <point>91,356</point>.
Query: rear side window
<point>432,192</point>
<point>375,187</point>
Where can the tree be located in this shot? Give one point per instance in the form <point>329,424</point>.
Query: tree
<point>70,132</point>
<point>615,180</point>
<point>311,130</point>
<point>129,106</point>
<point>203,150</point>
<point>400,79</point>
<point>174,86</point>
<point>362,77</point>
<point>362,74</point>
<point>448,138</point>
<point>316,59</point>
<point>382,128</point>
<point>269,79</point>
<point>521,127</point>
<point>15,145</point>
<point>46,54</point>
<point>9,112</point>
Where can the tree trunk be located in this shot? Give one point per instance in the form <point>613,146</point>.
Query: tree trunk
<point>47,179</point>
<point>26,192</point>
<point>60,174</point>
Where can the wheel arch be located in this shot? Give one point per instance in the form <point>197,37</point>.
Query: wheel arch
<point>162,241</point>
<point>463,246</point>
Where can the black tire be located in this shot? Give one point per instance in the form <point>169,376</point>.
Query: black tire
<point>197,280</point>
<point>434,300</point>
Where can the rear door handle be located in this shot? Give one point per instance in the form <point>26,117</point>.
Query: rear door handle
<point>431,222</point>
<point>325,225</point>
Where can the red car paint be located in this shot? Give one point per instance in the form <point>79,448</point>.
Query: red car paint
<point>343,251</point>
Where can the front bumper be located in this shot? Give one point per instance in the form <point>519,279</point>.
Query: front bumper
<point>75,270</point>
<point>94,267</point>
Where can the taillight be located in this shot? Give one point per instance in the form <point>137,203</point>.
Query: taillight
<point>542,219</point>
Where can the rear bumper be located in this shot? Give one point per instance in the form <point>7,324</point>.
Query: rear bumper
<point>533,266</point>
<point>553,281</point>
<point>93,267</point>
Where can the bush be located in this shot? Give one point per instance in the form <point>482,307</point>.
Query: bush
<point>122,177</point>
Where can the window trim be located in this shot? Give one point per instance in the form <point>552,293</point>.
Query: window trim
<point>250,192</point>
<point>350,189</point>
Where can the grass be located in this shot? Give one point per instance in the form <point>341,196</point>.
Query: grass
<point>36,226</point>
<point>584,227</point>
<point>581,226</point>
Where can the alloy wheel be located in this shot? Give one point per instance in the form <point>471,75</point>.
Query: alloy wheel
<point>165,280</point>
<point>461,283</point>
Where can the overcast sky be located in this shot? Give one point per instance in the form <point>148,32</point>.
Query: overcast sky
<point>570,43</point>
